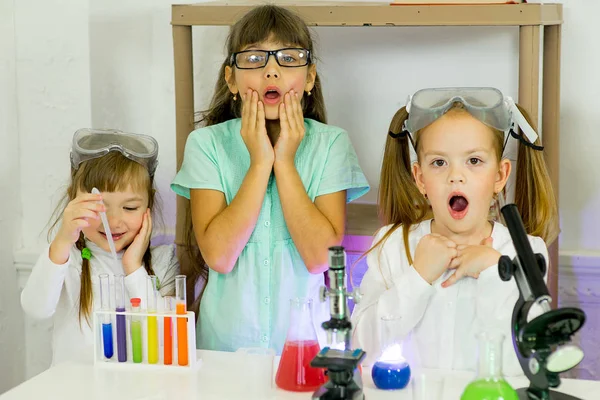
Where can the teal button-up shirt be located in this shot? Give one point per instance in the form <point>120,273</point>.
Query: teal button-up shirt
<point>249,307</point>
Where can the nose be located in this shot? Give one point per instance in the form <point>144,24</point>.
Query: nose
<point>113,217</point>
<point>272,68</point>
<point>456,175</point>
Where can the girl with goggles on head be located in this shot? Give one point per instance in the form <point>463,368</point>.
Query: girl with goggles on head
<point>64,282</point>
<point>435,263</point>
<point>268,182</point>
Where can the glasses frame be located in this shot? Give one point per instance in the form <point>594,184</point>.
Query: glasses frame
<point>233,60</point>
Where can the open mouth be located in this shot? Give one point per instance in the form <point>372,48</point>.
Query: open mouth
<point>272,95</point>
<point>458,205</point>
<point>115,236</point>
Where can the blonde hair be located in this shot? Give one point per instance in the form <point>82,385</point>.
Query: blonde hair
<point>402,204</point>
<point>110,173</point>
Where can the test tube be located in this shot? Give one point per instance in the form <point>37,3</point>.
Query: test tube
<point>107,336</point>
<point>121,324</point>
<point>136,331</point>
<point>181,309</point>
<point>168,331</point>
<point>152,298</point>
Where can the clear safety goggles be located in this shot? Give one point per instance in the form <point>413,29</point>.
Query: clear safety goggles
<point>95,143</point>
<point>488,105</point>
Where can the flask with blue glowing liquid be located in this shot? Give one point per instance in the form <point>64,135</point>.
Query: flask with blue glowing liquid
<point>391,370</point>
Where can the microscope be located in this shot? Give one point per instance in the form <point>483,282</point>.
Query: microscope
<point>542,344</point>
<point>339,359</point>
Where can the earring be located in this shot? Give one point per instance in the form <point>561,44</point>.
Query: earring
<point>308,93</point>
<point>234,96</point>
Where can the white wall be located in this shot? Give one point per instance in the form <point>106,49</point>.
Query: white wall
<point>53,100</point>
<point>109,63</point>
<point>11,322</point>
<point>121,75</point>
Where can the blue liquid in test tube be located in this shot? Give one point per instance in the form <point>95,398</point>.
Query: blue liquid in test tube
<point>107,336</point>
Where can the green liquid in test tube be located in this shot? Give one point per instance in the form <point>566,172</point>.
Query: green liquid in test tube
<point>136,331</point>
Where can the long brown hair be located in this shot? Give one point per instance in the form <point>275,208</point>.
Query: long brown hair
<point>259,24</point>
<point>402,204</point>
<point>110,173</point>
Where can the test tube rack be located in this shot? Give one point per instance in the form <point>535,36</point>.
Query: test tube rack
<point>100,360</point>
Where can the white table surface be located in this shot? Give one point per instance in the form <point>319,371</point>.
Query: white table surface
<point>219,377</point>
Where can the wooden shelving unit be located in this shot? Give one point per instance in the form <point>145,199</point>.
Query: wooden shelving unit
<point>533,21</point>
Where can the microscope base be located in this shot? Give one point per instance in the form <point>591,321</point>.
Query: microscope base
<point>536,394</point>
<point>338,393</point>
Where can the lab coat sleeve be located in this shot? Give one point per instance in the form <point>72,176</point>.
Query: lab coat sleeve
<point>495,302</point>
<point>40,296</point>
<point>389,287</point>
<point>165,266</point>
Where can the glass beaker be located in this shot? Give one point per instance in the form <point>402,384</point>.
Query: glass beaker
<point>301,346</point>
<point>391,370</point>
<point>490,383</point>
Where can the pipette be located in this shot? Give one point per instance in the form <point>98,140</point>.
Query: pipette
<point>107,231</point>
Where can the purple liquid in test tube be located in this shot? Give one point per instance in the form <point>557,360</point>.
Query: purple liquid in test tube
<point>121,328</point>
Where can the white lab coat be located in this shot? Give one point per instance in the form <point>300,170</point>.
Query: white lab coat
<point>53,291</point>
<point>439,325</point>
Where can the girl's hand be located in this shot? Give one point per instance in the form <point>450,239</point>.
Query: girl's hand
<point>254,131</point>
<point>132,259</point>
<point>472,260</point>
<point>292,128</point>
<point>76,216</point>
<point>433,256</point>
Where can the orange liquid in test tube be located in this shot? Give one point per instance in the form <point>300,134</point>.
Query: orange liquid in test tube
<point>182,340</point>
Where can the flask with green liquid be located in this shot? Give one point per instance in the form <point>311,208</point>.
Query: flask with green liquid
<point>490,383</point>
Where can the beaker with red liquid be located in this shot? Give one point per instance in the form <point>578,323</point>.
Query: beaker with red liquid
<point>301,346</point>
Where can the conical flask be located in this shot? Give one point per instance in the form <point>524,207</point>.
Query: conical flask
<point>490,383</point>
<point>391,370</point>
<point>301,346</point>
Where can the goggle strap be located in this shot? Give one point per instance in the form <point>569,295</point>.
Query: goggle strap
<point>408,103</point>
<point>525,142</point>
<point>520,120</point>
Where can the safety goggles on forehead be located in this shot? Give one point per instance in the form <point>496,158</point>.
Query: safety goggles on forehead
<point>254,59</point>
<point>95,143</point>
<point>488,105</point>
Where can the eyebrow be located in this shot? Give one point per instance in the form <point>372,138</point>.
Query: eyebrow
<point>470,151</point>
<point>255,46</point>
<point>136,198</point>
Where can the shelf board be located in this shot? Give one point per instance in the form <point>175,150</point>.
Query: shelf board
<point>379,14</point>
<point>362,219</point>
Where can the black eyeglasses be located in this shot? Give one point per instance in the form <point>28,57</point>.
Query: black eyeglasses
<point>254,59</point>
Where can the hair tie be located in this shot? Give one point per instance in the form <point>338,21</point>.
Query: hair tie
<point>525,142</point>
<point>86,253</point>
<point>402,134</point>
